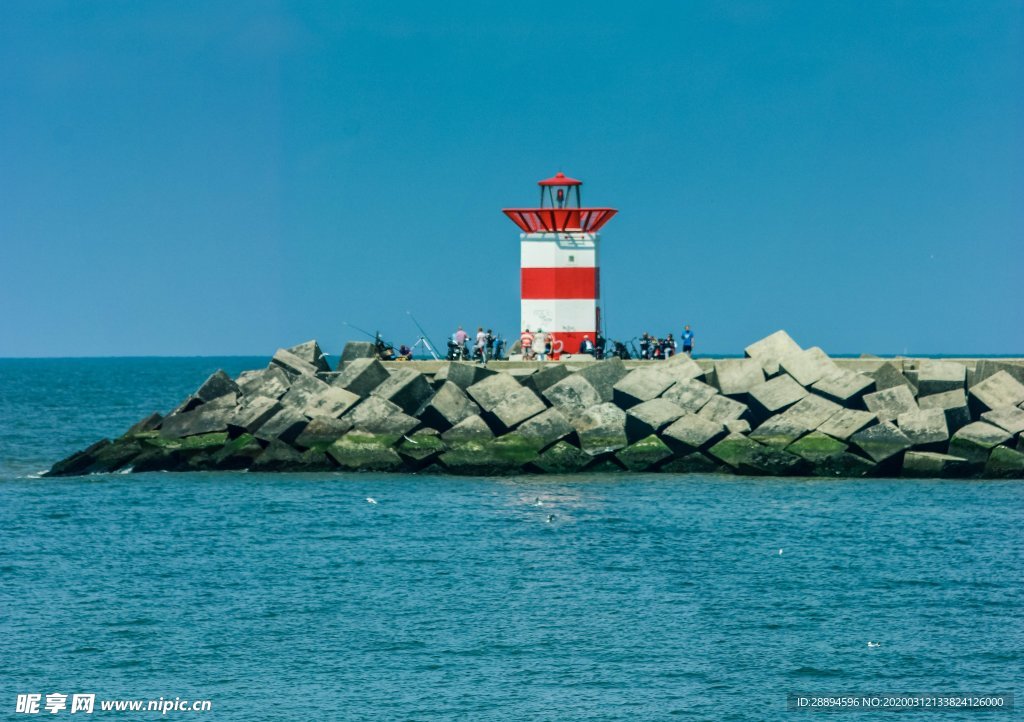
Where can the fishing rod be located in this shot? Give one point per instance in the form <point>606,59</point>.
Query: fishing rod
<point>375,336</point>
<point>423,335</point>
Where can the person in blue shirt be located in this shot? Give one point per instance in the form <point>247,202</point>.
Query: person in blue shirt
<point>687,339</point>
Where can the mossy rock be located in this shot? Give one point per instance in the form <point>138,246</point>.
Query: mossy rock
<point>366,452</point>
<point>694,463</point>
<point>421,448</point>
<point>562,458</point>
<point>816,446</point>
<point>644,454</point>
<point>1005,463</point>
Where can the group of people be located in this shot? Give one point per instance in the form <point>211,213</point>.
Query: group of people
<point>538,346</point>
<point>486,346</point>
<point>652,347</point>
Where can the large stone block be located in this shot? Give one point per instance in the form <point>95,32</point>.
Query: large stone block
<point>690,395</point>
<point>79,462</point>
<point>778,431</point>
<point>203,419</point>
<point>421,448</point>
<point>693,432</point>
<point>503,455</point>
<point>318,398</point>
<point>515,408</point>
<point>881,441</point>
<point>219,384</point>
<point>641,384</point>
<point>989,367</point>
<point>682,367</point>
<point>470,430</point>
<point>572,395</point>
<point>844,465</point>
<point>808,366</point>
<point>285,425</point>
<point>998,391</point>
<point>603,375</point>
<point>545,428</point>
<point>601,429</point>
<point>935,377</point>
<point>252,413</point>
<point>811,411</point>
<point>721,409</point>
<point>322,431</point>
<point>271,382</point>
<point>815,447</point>
<point>462,373</point>
<point>492,390</point>
<point>1009,418</point>
<point>891,402</point>
<point>356,349</point>
<point>651,417</point>
<point>975,441</point>
<point>380,417</point>
<point>361,376</point>
<point>448,406</point>
<point>236,454</point>
<point>924,427</point>
<point>953,405</point>
<point>737,426</point>
<point>845,388</point>
<point>279,457</point>
<point>359,451</point>
<point>693,463</point>
<point>933,465</point>
<point>546,377</point>
<point>1005,463</point>
<point>292,364</point>
<point>770,350</point>
<point>888,376</point>
<point>310,353</point>
<point>562,458</point>
<point>846,422</point>
<point>644,454</point>
<point>749,457</point>
<point>737,376</point>
<point>775,395</point>
<point>407,388</point>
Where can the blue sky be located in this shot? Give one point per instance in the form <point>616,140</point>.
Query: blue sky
<point>204,178</point>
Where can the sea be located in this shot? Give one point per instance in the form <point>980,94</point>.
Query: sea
<point>584,597</point>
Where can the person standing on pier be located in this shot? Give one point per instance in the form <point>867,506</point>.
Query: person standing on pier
<point>687,339</point>
<point>481,345</point>
<point>526,344</point>
<point>540,350</point>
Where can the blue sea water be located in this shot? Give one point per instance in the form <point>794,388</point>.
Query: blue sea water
<point>645,597</point>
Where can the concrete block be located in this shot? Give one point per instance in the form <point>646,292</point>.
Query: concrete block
<point>492,390</point>
<point>383,418</point>
<point>361,376</point>
<point>881,441</point>
<point>546,377</point>
<point>203,419</point>
<point>601,429</point>
<point>516,407</point>
<point>356,349</point>
<point>930,464</point>
<point>737,426</point>
<point>572,395</point>
<point>1009,418</point>
<point>562,458</point>
<point>997,391</point>
<point>845,388</point>
<point>989,367</point>
<point>644,454</point>
<point>219,384</point>
<point>749,457</point>
<point>639,385</point>
<point>503,455</point>
<point>815,447</point>
<point>952,403</point>
<point>322,431</point>
<point>310,353</point>
<point>924,428</point>
<point>448,406</point>
<point>975,441</point>
<point>292,364</point>
<point>280,457</point>
<point>845,465</point>
<point>360,451</point>
<point>811,411</point>
<point>846,422</point>
<point>470,430</point>
<point>150,423</point>
<point>888,376</point>
<point>462,373</point>
<point>285,425</point>
<point>271,382</point>
<point>421,448</point>
<point>252,413</point>
<point>318,398</point>
<point>769,351</point>
<point>808,366</point>
<point>650,417</point>
<point>778,431</point>
<point>545,428</point>
<point>737,376</point>
<point>693,463</point>
<point>889,403</point>
<point>721,409</point>
<point>774,395</point>
<point>690,395</point>
<point>682,367</point>
<point>1005,463</point>
<point>603,376</point>
<point>407,388</point>
<point>236,454</point>
<point>693,432</point>
<point>935,377</point>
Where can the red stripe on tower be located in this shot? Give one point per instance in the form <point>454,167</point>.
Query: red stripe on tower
<point>558,283</point>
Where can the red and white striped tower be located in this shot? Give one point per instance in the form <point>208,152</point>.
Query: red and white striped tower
<point>561,287</point>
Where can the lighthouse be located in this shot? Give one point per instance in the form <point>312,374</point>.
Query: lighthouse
<point>559,272</point>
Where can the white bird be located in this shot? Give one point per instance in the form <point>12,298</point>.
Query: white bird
<point>370,500</point>
<point>780,552</point>
<point>538,502</point>
<point>872,645</point>
<point>551,518</point>
<point>411,441</point>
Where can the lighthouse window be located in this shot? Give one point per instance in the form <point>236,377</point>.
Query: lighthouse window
<point>572,259</point>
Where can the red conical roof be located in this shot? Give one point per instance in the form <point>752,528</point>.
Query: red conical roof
<point>560,179</point>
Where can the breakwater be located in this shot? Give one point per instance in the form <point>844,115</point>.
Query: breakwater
<point>782,410</point>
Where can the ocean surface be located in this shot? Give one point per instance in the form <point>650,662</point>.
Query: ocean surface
<point>611,597</point>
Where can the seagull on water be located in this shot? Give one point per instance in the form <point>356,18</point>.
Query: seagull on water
<point>370,500</point>
<point>551,518</point>
<point>538,502</point>
<point>872,645</point>
<point>780,552</point>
